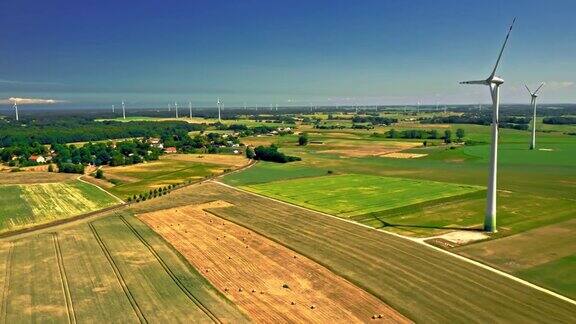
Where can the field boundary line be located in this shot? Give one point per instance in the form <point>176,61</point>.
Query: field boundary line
<point>6,287</point>
<point>62,221</point>
<point>119,276</point>
<point>420,242</point>
<point>170,273</point>
<point>64,279</point>
<point>109,193</point>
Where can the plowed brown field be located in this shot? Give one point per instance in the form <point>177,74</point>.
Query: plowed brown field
<point>269,281</point>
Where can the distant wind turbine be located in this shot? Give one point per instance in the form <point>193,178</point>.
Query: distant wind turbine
<point>123,110</point>
<point>190,106</point>
<point>219,104</point>
<point>176,108</point>
<point>16,109</point>
<point>533,96</point>
<point>112,108</point>
<point>494,83</point>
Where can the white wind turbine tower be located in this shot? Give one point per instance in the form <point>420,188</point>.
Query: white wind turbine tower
<point>112,108</point>
<point>176,108</point>
<point>123,110</point>
<point>190,106</point>
<point>494,83</point>
<point>533,96</point>
<point>219,104</point>
<point>16,108</point>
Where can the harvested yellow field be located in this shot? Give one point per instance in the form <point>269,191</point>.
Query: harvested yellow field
<point>220,159</point>
<point>270,282</point>
<point>369,149</point>
<point>400,155</point>
<point>34,177</point>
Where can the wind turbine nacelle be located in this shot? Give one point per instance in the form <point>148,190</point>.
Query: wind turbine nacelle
<point>497,80</point>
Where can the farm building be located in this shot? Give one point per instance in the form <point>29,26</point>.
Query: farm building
<point>170,150</point>
<point>37,158</point>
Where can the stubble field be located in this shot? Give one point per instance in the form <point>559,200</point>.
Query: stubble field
<point>269,281</point>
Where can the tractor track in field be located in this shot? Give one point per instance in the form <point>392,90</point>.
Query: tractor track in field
<point>174,278</point>
<point>64,279</point>
<point>5,289</point>
<point>119,276</point>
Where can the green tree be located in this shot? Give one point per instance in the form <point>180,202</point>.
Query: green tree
<point>250,153</point>
<point>447,136</point>
<point>99,174</point>
<point>303,139</point>
<point>460,134</point>
<point>50,168</point>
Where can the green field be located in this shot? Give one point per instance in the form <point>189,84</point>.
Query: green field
<point>415,280</point>
<point>140,178</point>
<point>111,270</point>
<point>353,195</point>
<point>31,204</point>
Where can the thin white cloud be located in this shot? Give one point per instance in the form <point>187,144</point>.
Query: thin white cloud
<point>30,101</point>
<point>4,81</point>
<point>555,85</point>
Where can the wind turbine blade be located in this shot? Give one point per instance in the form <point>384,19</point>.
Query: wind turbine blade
<point>541,85</point>
<point>530,92</point>
<point>502,50</point>
<point>484,82</point>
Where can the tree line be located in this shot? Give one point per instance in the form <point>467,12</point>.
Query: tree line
<point>70,130</point>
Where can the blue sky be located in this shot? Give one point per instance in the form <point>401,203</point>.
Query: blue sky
<point>95,53</point>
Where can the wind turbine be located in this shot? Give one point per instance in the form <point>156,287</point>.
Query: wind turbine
<point>219,103</point>
<point>533,96</point>
<point>190,106</point>
<point>176,108</point>
<point>123,110</point>
<point>112,108</point>
<point>16,108</point>
<point>494,83</point>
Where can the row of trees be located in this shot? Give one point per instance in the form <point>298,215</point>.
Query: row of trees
<point>374,120</point>
<point>426,134</point>
<point>560,120</point>
<point>270,154</point>
<point>121,153</point>
<point>71,129</point>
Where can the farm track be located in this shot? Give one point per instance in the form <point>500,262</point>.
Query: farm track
<point>4,305</point>
<point>64,280</point>
<point>174,278</point>
<point>119,276</point>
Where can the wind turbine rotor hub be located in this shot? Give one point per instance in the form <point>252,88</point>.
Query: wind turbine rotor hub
<point>497,80</point>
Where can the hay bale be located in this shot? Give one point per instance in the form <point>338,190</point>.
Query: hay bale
<point>240,289</point>
<point>379,315</point>
<point>312,306</point>
<point>292,303</point>
<point>285,286</point>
